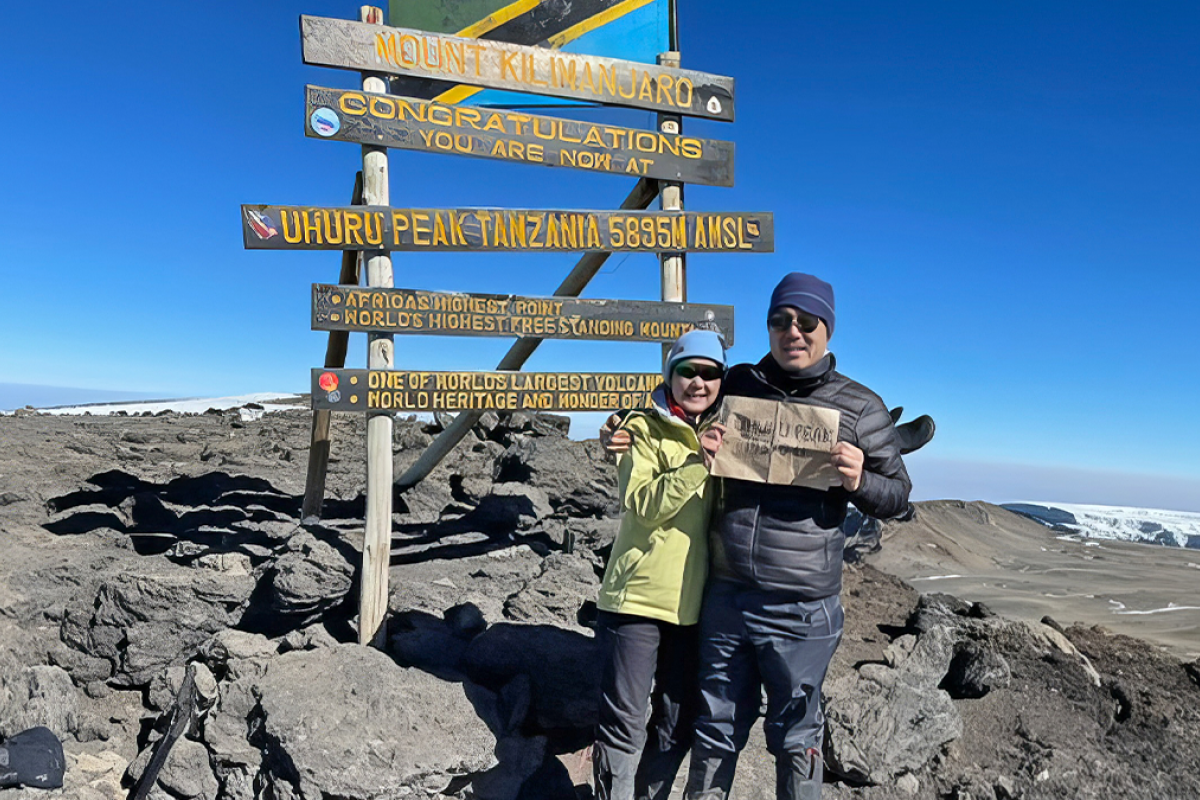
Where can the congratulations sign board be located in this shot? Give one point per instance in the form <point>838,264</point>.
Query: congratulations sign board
<point>347,308</point>
<point>403,390</point>
<point>409,124</point>
<point>500,65</point>
<point>504,230</point>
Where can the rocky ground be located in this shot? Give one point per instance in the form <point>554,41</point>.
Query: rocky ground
<point>153,564</point>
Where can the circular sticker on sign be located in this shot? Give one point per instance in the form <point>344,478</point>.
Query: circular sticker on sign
<point>328,381</point>
<point>325,121</point>
<point>334,396</point>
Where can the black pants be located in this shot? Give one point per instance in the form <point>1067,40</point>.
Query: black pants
<point>633,759</point>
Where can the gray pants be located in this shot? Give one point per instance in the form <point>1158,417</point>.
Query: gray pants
<point>643,656</point>
<point>750,639</point>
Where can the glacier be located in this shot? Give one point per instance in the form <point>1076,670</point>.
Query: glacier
<point>1131,524</point>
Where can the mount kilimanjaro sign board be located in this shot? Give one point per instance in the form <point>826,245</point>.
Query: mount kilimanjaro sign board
<point>500,65</point>
<point>504,230</point>
<point>413,311</point>
<point>405,390</point>
<point>406,123</point>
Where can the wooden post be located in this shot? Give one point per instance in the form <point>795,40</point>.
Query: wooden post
<point>572,286</point>
<point>377,539</point>
<point>673,265</point>
<point>335,357</point>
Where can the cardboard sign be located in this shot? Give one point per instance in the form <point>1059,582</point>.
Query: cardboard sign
<point>767,441</point>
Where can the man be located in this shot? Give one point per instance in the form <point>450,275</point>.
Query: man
<point>772,617</point>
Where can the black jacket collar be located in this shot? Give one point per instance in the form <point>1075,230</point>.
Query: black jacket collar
<point>795,383</point>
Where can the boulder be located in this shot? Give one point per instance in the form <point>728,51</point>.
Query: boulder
<point>347,722</point>
<point>310,578</point>
<point>885,721</point>
<point>511,507</point>
<point>38,696</point>
<point>575,475</point>
<point>563,668</point>
<point>556,595</point>
<point>142,623</point>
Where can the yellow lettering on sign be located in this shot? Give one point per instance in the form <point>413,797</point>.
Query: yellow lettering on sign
<point>417,230</point>
<point>399,223</point>
<point>353,103</point>
<point>353,229</point>
<point>439,231</point>
<point>562,72</point>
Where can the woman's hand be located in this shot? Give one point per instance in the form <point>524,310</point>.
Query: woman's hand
<point>613,438</point>
<point>710,442</point>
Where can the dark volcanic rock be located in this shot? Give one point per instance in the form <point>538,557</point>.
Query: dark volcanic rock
<point>311,577</point>
<point>140,624</point>
<point>347,722</point>
<point>563,668</point>
<point>575,475</point>
<point>885,721</point>
<point>557,594</point>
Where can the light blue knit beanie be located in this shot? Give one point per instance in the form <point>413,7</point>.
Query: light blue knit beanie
<point>695,344</point>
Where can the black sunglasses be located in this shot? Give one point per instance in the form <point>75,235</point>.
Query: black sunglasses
<point>781,321</point>
<point>707,372</point>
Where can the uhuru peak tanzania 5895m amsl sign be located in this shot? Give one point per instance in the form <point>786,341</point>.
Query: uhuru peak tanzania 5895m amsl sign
<point>504,230</point>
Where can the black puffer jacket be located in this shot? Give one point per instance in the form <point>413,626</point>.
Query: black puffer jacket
<point>788,538</point>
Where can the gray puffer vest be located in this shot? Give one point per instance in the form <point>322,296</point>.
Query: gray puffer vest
<point>789,539</point>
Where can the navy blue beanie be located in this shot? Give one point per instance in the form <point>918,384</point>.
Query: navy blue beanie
<point>807,293</point>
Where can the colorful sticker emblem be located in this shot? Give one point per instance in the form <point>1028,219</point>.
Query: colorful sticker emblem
<point>262,225</point>
<point>334,396</point>
<point>325,121</point>
<point>328,382</point>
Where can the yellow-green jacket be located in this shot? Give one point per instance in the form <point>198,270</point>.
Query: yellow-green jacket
<point>660,558</point>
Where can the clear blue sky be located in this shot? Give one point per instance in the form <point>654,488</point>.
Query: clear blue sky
<point>1006,198</point>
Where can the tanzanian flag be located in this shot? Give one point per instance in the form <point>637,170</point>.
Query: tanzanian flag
<point>633,30</point>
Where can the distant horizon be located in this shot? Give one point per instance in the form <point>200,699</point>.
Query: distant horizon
<point>934,477</point>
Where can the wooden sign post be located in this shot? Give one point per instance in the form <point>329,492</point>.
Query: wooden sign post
<point>377,539</point>
<point>662,159</point>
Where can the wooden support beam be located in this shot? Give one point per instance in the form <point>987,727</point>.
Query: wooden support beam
<point>335,356</point>
<point>642,196</point>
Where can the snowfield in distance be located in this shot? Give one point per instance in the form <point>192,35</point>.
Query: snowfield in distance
<point>1145,525</point>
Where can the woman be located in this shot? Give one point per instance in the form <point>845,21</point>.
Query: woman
<point>650,598</point>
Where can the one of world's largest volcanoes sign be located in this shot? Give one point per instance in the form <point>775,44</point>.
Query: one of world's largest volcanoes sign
<point>410,390</point>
